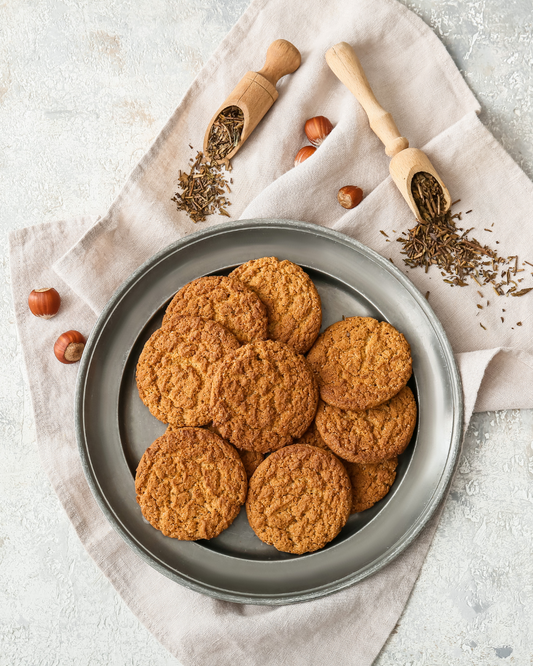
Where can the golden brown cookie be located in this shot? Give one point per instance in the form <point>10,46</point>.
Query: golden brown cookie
<point>299,499</point>
<point>291,298</point>
<point>263,396</point>
<point>225,300</point>
<point>176,366</point>
<point>375,434</point>
<point>360,362</point>
<point>312,437</point>
<point>370,482</point>
<point>250,459</point>
<point>190,484</point>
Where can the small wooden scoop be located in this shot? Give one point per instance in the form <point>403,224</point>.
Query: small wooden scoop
<point>256,91</point>
<point>405,162</point>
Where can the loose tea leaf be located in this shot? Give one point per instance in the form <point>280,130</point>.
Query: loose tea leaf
<point>437,240</point>
<point>202,190</point>
<point>522,292</point>
<point>225,132</point>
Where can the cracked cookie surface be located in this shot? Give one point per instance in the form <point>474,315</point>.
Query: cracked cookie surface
<point>291,299</point>
<point>250,459</point>
<point>176,367</point>
<point>299,499</point>
<point>264,396</point>
<point>190,484</point>
<point>312,437</point>
<point>226,301</point>
<point>360,362</point>
<point>372,435</point>
<point>370,482</point>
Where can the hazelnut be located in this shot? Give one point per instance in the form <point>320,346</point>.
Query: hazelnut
<point>303,154</point>
<point>350,196</point>
<point>317,129</point>
<point>44,302</point>
<point>69,347</point>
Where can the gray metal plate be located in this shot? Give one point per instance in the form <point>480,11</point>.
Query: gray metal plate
<point>114,428</point>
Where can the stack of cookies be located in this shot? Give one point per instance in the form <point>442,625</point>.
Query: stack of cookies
<point>303,441</point>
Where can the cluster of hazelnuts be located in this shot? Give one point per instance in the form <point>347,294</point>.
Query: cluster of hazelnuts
<point>45,303</point>
<point>316,129</point>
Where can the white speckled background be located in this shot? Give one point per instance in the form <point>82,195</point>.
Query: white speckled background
<point>84,89</point>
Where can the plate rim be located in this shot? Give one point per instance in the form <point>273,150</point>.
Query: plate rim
<point>330,588</point>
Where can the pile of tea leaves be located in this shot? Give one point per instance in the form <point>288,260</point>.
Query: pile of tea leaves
<point>203,189</point>
<point>225,132</point>
<point>437,241</point>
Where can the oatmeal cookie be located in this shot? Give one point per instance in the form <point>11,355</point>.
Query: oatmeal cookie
<point>360,362</point>
<point>372,435</point>
<point>370,482</point>
<point>264,395</point>
<point>176,366</point>
<point>291,299</point>
<point>190,484</point>
<point>225,300</point>
<point>299,499</point>
<point>312,437</point>
<point>251,460</point>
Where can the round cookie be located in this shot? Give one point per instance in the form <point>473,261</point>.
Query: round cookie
<point>370,482</point>
<point>291,299</point>
<point>251,460</point>
<point>225,300</point>
<point>299,499</point>
<point>176,367</point>
<point>190,484</point>
<point>360,362</point>
<point>372,435</point>
<point>264,395</point>
<point>312,437</point>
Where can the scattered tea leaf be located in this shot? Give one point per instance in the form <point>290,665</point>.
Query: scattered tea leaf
<point>437,241</point>
<point>522,292</point>
<point>201,190</point>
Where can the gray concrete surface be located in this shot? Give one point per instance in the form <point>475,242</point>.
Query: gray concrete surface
<point>84,89</point>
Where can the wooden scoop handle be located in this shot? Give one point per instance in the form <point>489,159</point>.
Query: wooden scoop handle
<point>282,58</point>
<point>346,66</point>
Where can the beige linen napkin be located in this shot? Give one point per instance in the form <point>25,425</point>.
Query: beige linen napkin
<point>416,80</point>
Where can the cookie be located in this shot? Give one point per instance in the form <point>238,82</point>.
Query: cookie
<point>251,460</point>
<point>360,362</point>
<point>370,482</point>
<point>190,484</point>
<point>299,499</point>
<point>312,437</point>
<point>263,396</point>
<point>176,366</point>
<point>225,300</point>
<point>372,435</point>
<point>291,299</point>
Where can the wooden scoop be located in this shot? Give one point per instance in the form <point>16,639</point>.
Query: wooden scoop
<point>405,162</point>
<point>256,91</point>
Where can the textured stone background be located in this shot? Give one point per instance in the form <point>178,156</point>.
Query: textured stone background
<point>84,89</point>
